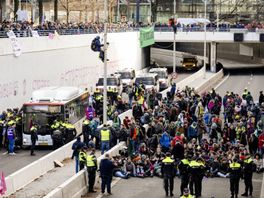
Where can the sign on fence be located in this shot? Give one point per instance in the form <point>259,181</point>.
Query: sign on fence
<point>14,43</point>
<point>146,36</point>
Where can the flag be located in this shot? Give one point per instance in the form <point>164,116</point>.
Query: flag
<point>51,35</point>
<point>2,185</point>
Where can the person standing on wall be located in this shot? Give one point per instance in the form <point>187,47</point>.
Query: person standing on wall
<point>91,163</point>
<point>106,171</point>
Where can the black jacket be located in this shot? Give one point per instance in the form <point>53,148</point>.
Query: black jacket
<point>106,167</point>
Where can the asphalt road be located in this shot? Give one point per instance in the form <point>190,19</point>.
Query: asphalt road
<point>10,163</point>
<point>238,82</point>
<point>153,187</point>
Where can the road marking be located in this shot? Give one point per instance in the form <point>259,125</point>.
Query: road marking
<point>217,86</point>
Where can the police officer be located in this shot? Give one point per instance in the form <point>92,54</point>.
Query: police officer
<point>201,174</point>
<point>235,174</point>
<point>86,131</point>
<point>70,131</point>
<point>248,168</point>
<point>186,194</point>
<point>184,172</point>
<point>105,139</point>
<point>91,163</point>
<point>168,173</point>
<point>34,138</point>
<point>196,173</point>
<point>82,157</point>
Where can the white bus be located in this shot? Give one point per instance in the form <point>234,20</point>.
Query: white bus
<point>51,103</point>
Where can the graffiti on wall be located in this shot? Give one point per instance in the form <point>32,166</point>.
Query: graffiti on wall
<point>9,89</point>
<point>77,77</point>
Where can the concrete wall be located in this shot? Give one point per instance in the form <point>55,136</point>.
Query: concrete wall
<point>76,186</point>
<point>230,51</point>
<point>223,37</point>
<point>63,60</point>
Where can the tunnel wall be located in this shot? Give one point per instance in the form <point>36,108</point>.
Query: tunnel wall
<point>61,61</point>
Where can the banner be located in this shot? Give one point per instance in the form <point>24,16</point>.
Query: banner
<point>2,184</point>
<point>146,36</point>
<point>14,43</point>
<point>35,33</point>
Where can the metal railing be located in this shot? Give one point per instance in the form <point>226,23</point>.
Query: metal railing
<point>27,33</point>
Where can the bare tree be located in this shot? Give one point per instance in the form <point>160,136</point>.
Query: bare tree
<point>68,6</point>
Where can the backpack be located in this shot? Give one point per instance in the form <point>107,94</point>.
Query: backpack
<point>93,45</point>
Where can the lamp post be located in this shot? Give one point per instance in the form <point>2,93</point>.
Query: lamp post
<point>204,64</point>
<point>105,63</point>
<point>174,37</point>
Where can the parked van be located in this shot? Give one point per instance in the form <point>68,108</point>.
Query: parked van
<point>149,80</point>
<point>114,85</point>
<point>127,77</point>
<point>163,77</point>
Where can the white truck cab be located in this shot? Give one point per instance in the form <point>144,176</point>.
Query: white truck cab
<point>114,84</point>
<point>150,80</point>
<point>163,77</point>
<point>127,76</point>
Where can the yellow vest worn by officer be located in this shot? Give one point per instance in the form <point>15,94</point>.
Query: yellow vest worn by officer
<point>194,164</point>
<point>33,129</point>
<point>105,135</point>
<point>69,126</point>
<point>168,160</point>
<point>86,122</point>
<point>189,196</point>
<point>247,161</point>
<point>82,156</point>
<point>90,161</point>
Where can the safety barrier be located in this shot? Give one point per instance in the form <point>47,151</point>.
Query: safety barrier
<point>76,186</point>
<point>210,83</point>
<point>29,173</point>
<point>186,82</point>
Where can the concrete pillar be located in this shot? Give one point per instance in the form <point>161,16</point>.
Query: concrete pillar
<point>213,56</point>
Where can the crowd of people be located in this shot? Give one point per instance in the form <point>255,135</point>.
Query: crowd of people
<point>10,123</point>
<point>190,133</point>
<point>23,29</point>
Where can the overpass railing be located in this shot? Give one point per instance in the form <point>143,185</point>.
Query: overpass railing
<point>28,33</point>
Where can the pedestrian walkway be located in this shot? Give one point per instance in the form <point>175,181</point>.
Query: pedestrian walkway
<point>52,179</point>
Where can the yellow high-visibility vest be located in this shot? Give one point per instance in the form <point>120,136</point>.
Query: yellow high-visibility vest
<point>168,160</point>
<point>105,135</point>
<point>234,165</point>
<point>90,161</point>
<point>141,101</point>
<point>185,161</point>
<point>82,156</point>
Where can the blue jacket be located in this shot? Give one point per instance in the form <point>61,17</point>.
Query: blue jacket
<point>106,167</point>
<point>76,147</point>
<point>165,140</point>
<point>98,45</point>
<point>193,130</point>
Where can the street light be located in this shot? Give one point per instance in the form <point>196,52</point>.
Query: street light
<point>174,37</point>
<point>204,64</point>
<point>105,63</point>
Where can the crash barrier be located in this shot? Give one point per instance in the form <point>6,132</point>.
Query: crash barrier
<point>186,82</point>
<point>76,186</point>
<point>210,83</point>
<point>29,173</point>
